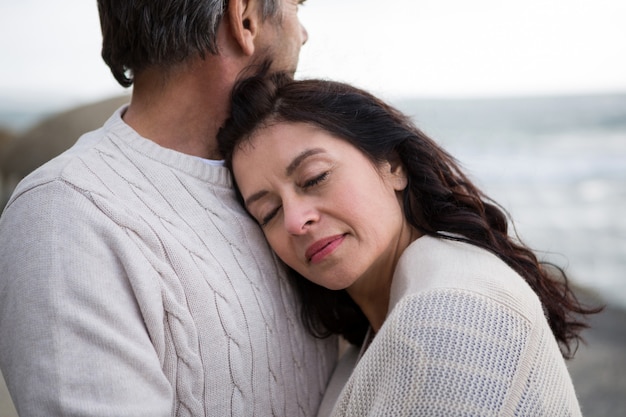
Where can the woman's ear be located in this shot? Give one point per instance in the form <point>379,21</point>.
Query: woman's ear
<point>395,172</point>
<point>244,18</point>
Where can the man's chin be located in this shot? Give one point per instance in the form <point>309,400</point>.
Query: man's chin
<point>290,70</point>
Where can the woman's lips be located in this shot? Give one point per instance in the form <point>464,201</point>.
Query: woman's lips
<point>322,248</point>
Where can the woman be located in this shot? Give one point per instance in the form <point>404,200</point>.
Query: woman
<point>396,242</point>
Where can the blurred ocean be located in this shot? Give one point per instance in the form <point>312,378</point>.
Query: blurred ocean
<point>558,164</point>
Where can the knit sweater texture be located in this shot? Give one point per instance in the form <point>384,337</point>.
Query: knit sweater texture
<point>132,283</point>
<point>465,336</point>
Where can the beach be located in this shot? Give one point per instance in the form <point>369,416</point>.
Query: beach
<point>599,366</point>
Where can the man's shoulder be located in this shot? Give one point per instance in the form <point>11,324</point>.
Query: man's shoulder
<point>70,166</point>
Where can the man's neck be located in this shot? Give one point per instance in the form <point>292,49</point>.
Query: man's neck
<point>184,112</point>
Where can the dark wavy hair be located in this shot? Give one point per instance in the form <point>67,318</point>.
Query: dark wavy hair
<point>138,34</point>
<point>440,200</point>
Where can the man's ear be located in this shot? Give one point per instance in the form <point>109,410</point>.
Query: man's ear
<point>244,18</point>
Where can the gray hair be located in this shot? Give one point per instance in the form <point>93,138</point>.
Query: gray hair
<point>137,34</point>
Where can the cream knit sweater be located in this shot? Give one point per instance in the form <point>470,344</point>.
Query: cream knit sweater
<point>465,336</point>
<point>132,283</point>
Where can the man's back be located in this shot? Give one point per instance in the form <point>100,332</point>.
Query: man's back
<point>148,291</point>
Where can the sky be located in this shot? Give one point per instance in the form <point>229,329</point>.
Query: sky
<point>50,50</point>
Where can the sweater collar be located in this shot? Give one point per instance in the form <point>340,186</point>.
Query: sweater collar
<point>119,131</point>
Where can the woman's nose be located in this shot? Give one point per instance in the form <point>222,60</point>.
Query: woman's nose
<point>299,217</point>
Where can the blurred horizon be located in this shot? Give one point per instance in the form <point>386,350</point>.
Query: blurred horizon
<point>18,114</point>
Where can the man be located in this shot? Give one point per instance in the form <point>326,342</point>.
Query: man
<point>131,283</point>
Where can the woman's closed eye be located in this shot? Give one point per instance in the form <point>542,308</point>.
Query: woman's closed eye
<point>265,219</point>
<point>315,180</point>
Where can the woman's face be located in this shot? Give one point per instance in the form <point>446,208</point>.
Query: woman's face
<point>325,208</point>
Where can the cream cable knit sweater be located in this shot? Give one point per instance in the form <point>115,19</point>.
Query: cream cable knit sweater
<point>465,336</point>
<point>132,283</point>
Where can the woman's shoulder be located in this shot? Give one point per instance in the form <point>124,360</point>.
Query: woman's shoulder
<point>433,265</point>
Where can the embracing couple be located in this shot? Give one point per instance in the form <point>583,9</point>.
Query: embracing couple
<point>210,248</point>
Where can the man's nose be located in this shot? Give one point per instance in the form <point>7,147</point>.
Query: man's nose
<point>304,34</point>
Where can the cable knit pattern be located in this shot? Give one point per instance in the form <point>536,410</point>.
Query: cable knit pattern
<point>465,336</point>
<point>152,291</point>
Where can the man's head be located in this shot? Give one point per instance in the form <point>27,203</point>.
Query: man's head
<point>140,34</point>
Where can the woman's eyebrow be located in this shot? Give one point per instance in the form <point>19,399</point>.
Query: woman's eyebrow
<point>254,197</point>
<point>301,157</point>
